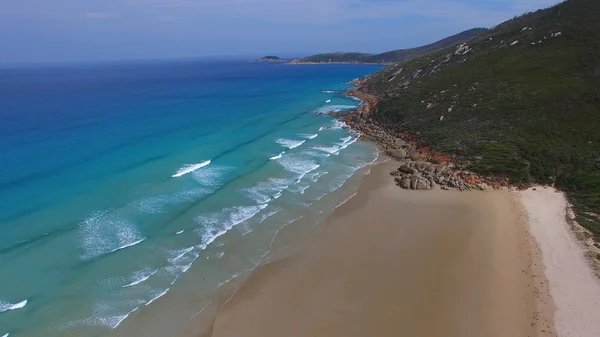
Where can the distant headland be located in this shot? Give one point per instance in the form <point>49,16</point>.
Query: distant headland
<point>269,59</point>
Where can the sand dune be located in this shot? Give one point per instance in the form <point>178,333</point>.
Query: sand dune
<point>573,285</point>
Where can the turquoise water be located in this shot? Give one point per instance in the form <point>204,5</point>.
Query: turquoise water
<point>130,191</point>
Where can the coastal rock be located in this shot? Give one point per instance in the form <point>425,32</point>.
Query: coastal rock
<point>398,154</point>
<point>407,169</point>
<point>423,185</point>
<point>418,182</point>
<point>405,183</point>
<point>396,173</point>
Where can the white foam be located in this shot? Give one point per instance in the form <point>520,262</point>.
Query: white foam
<point>5,335</point>
<point>315,176</point>
<point>182,265</point>
<point>189,168</point>
<point>158,204</point>
<point>338,125</point>
<point>309,136</point>
<point>302,189</point>
<point>215,225</point>
<point>322,128</point>
<point>346,144</point>
<point>127,245</point>
<point>265,191</point>
<point>211,176</point>
<point>180,232</point>
<point>328,91</point>
<point>140,277</point>
<point>107,231</point>
<point>298,166</point>
<point>335,108</point>
<point>277,156</point>
<point>180,253</point>
<point>159,295</point>
<point>229,279</point>
<point>289,143</point>
<point>4,306</point>
<point>269,214</point>
<point>327,101</point>
<point>102,315</point>
<point>327,149</point>
<point>346,139</point>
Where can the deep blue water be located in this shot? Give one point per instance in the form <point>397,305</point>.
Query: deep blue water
<point>117,179</point>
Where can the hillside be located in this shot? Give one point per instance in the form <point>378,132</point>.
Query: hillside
<point>339,57</point>
<point>521,101</point>
<point>394,55</point>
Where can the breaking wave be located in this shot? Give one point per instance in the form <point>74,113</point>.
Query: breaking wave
<point>4,306</point>
<point>290,144</point>
<point>189,168</point>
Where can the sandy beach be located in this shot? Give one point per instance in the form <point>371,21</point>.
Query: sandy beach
<point>392,262</point>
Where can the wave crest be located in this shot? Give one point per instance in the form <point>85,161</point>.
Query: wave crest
<point>5,306</point>
<point>189,168</point>
<point>289,143</point>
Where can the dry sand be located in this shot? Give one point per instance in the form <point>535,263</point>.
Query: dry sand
<point>573,285</point>
<point>396,263</point>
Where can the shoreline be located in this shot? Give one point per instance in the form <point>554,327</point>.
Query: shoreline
<point>516,264</point>
<point>347,273</point>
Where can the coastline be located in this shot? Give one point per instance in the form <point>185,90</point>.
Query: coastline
<point>482,264</point>
<point>325,63</point>
<point>468,269</point>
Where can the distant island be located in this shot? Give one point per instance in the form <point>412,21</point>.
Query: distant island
<point>269,59</point>
<point>390,57</point>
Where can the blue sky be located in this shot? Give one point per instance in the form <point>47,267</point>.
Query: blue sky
<point>86,30</point>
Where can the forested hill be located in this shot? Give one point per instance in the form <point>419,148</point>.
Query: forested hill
<point>394,55</point>
<point>521,101</point>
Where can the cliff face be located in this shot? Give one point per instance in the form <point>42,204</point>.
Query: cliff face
<point>520,102</point>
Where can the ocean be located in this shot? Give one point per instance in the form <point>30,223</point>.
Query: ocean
<point>132,193</point>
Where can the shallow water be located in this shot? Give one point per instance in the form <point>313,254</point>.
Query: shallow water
<point>132,192</point>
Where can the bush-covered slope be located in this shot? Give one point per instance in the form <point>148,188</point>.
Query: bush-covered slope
<point>407,54</point>
<point>394,55</point>
<point>521,101</point>
<point>339,57</point>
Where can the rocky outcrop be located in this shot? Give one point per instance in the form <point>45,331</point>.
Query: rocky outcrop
<point>419,169</point>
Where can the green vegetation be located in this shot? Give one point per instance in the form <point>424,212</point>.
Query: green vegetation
<point>269,59</point>
<point>394,55</point>
<point>521,101</point>
<point>339,57</point>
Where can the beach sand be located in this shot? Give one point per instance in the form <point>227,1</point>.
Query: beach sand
<point>391,262</point>
<point>573,286</point>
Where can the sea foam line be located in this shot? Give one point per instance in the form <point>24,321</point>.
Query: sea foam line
<point>189,168</point>
<point>215,224</point>
<point>183,252</point>
<point>120,319</point>
<point>141,279</point>
<point>10,306</point>
<point>290,144</point>
<point>309,136</point>
<point>128,245</point>
<point>277,156</point>
<point>163,293</point>
<point>6,335</point>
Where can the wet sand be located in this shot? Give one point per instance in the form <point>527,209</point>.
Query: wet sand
<point>391,262</point>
